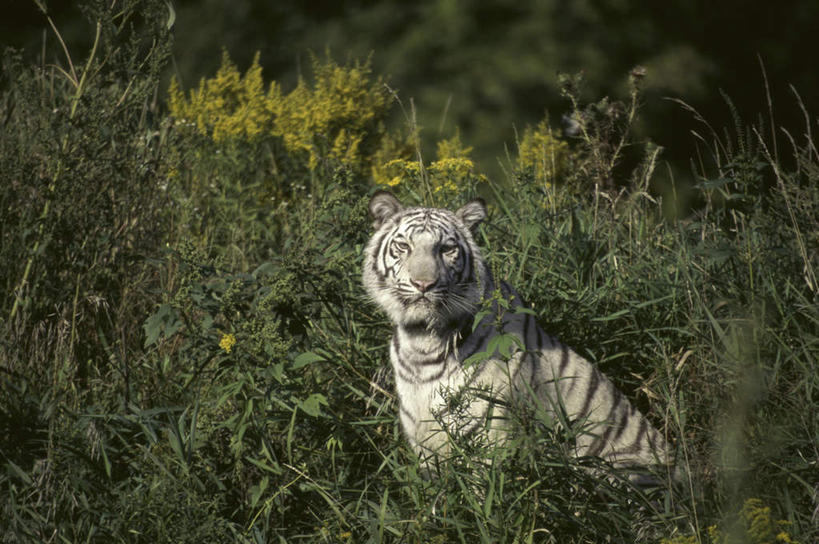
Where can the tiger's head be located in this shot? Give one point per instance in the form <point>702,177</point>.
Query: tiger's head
<point>422,265</point>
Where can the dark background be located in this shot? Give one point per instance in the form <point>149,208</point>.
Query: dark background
<point>490,67</point>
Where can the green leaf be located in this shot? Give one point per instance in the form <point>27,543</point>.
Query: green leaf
<point>106,462</point>
<point>504,344</point>
<point>171,15</point>
<point>312,404</point>
<point>612,317</point>
<point>12,468</point>
<point>257,490</point>
<point>207,322</point>
<point>477,358</point>
<point>479,317</point>
<point>307,358</point>
<point>164,321</point>
<point>714,183</point>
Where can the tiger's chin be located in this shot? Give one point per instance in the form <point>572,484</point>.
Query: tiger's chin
<point>425,314</point>
<point>419,311</point>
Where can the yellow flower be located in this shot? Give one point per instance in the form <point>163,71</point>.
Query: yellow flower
<point>227,106</point>
<point>453,167</point>
<point>452,170</point>
<point>758,527</point>
<point>543,152</point>
<point>339,117</point>
<point>227,342</point>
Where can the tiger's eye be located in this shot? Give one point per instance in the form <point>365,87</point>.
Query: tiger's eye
<point>400,246</point>
<point>449,249</point>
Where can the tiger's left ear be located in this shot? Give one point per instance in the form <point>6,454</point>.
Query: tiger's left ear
<point>472,213</point>
<point>383,205</point>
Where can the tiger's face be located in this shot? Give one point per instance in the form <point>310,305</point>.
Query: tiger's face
<point>422,265</point>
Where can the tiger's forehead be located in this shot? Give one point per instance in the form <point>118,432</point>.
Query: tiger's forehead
<point>433,221</point>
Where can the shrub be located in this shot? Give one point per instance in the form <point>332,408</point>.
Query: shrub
<point>83,153</point>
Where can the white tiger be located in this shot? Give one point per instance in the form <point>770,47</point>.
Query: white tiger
<point>424,269</point>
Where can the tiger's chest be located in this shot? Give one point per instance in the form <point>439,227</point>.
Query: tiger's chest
<point>440,397</point>
<point>426,377</point>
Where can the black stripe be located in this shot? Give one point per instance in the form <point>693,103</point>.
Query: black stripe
<point>636,443</point>
<point>416,329</point>
<point>651,437</point>
<point>412,215</point>
<point>513,379</point>
<point>624,419</point>
<point>611,426</point>
<point>539,335</point>
<point>454,368</point>
<point>402,376</point>
<point>440,221</point>
<point>376,253</point>
<point>388,270</point>
<point>595,384</point>
<point>400,361</point>
<point>601,441</point>
<point>564,362</point>
<point>395,342</point>
<point>441,358</point>
<point>435,377</point>
<point>536,362</point>
<point>425,353</point>
<point>406,368</point>
<point>407,413</point>
<point>527,330</point>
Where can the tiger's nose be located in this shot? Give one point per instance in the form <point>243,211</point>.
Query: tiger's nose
<point>423,285</point>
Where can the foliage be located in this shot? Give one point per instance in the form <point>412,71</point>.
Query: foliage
<point>189,355</point>
<point>81,151</point>
<point>603,130</point>
<point>755,526</point>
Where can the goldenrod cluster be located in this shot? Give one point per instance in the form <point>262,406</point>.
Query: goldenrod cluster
<point>451,171</point>
<point>226,106</point>
<point>227,342</point>
<point>756,527</point>
<point>339,117</point>
<point>453,166</point>
<point>759,527</point>
<point>544,153</point>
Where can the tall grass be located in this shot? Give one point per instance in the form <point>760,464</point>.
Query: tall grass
<point>188,355</point>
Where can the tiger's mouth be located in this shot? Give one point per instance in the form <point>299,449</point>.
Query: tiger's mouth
<point>421,299</point>
<point>426,301</point>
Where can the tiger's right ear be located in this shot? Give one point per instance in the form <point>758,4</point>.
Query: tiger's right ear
<point>383,205</point>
